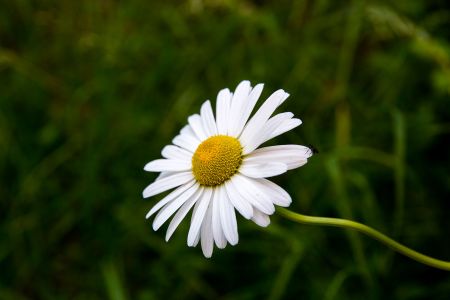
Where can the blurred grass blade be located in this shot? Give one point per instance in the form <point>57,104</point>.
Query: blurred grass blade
<point>113,282</point>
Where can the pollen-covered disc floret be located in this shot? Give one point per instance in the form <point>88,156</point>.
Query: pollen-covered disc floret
<point>217,167</point>
<point>216,160</point>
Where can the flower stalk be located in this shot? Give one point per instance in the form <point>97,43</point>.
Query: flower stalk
<point>347,224</point>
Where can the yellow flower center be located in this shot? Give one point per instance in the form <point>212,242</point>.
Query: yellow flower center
<point>216,160</point>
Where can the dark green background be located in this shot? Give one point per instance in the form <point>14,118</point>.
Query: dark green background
<point>92,90</point>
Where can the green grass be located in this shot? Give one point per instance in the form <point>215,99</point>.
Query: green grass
<point>92,90</point>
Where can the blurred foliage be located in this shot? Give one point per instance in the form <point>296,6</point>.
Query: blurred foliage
<point>92,90</point>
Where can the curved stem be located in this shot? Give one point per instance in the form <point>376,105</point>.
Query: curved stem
<point>335,222</point>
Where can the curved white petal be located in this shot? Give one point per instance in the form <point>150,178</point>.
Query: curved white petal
<point>228,217</point>
<point>262,169</point>
<point>197,216</point>
<point>187,142</point>
<point>279,118</point>
<point>285,127</point>
<point>167,183</point>
<point>206,234</point>
<point>251,102</point>
<point>164,165</point>
<point>187,131</point>
<point>262,115</point>
<point>276,193</point>
<point>251,193</point>
<point>182,212</point>
<point>223,110</point>
<point>219,236</point>
<point>260,218</point>
<point>169,198</point>
<point>238,105</point>
<point>197,239</point>
<point>293,156</point>
<point>195,121</point>
<point>169,209</point>
<point>239,202</point>
<point>266,131</point>
<point>164,175</point>
<point>174,152</point>
<point>209,124</point>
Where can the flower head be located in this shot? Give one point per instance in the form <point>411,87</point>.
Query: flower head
<point>217,169</point>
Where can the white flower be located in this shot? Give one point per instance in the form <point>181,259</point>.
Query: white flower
<point>215,166</point>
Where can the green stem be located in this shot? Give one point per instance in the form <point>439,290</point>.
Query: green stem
<point>335,222</point>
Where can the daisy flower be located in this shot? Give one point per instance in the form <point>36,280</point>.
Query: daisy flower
<point>217,168</point>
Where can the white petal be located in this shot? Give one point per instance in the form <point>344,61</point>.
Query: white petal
<point>238,105</point>
<point>266,131</point>
<point>279,118</point>
<point>261,218</point>
<point>182,212</point>
<point>164,175</point>
<point>272,125</point>
<point>163,165</point>
<point>209,124</point>
<point>239,202</point>
<point>187,142</point>
<point>168,210</point>
<point>293,156</point>
<point>187,130</point>
<point>228,218</point>
<point>262,115</point>
<point>262,169</point>
<point>174,152</point>
<point>223,110</point>
<point>255,196</point>
<point>219,236</point>
<point>207,234</point>
<point>276,193</point>
<point>169,198</point>
<point>197,239</point>
<point>285,126</point>
<point>167,183</point>
<point>251,102</point>
<point>198,215</point>
<point>195,121</point>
